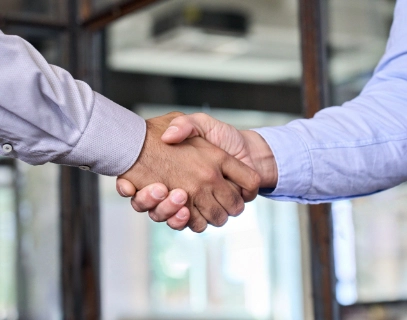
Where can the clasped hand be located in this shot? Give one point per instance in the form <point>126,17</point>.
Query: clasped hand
<point>210,167</point>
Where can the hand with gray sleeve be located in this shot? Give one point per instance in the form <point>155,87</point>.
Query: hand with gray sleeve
<point>47,116</point>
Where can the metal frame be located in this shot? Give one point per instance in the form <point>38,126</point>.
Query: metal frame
<point>315,87</point>
<point>31,22</point>
<point>80,222</point>
<point>400,305</point>
<point>93,21</point>
<point>125,88</point>
<point>102,18</point>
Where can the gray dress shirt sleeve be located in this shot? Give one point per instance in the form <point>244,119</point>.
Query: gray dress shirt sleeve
<point>47,116</point>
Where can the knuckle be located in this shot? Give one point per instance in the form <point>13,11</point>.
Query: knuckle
<point>201,228</point>
<point>238,211</point>
<point>219,155</point>
<point>237,199</point>
<point>218,217</point>
<point>223,222</point>
<point>209,174</point>
<point>198,226</point>
<point>223,156</point>
<point>233,202</point>
<point>238,205</point>
<point>206,117</point>
<point>175,114</point>
<point>201,116</point>
<point>255,180</point>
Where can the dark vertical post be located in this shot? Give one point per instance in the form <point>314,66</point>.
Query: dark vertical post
<point>80,271</point>
<point>314,55</point>
<point>80,221</point>
<point>315,96</point>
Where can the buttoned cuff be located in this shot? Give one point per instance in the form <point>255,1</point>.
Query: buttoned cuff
<point>293,163</point>
<point>112,141</point>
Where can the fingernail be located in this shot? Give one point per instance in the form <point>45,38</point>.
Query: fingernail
<point>178,197</point>
<point>122,192</point>
<point>158,193</point>
<point>171,130</point>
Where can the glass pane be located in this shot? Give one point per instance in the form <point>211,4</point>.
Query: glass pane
<point>39,231</point>
<point>369,232</point>
<point>381,243</point>
<point>8,244</point>
<point>245,41</point>
<point>372,256</point>
<point>48,9</point>
<point>248,269</point>
<point>358,36</point>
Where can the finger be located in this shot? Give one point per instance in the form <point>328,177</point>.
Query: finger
<point>213,212</point>
<point>179,221</point>
<point>149,197</point>
<point>170,205</point>
<point>197,222</point>
<point>188,126</point>
<point>125,188</point>
<point>179,130</point>
<point>242,175</point>
<point>218,133</point>
<point>230,198</point>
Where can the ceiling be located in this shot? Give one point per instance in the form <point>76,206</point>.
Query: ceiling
<point>267,52</point>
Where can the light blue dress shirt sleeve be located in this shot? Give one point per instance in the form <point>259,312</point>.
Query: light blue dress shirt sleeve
<point>47,116</point>
<point>354,150</point>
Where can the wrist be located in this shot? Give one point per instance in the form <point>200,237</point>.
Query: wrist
<point>262,157</point>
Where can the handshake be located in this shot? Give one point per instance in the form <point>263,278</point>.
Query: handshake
<point>194,170</point>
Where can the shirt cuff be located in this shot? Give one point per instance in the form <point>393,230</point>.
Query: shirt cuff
<point>112,141</point>
<point>293,163</point>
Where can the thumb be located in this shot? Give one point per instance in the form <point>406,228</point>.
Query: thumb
<point>125,188</point>
<point>184,127</point>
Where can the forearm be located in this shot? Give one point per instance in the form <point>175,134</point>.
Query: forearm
<point>47,116</point>
<point>262,158</point>
<point>339,154</point>
<point>353,150</point>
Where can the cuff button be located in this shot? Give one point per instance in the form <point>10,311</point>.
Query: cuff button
<point>7,148</point>
<point>84,168</point>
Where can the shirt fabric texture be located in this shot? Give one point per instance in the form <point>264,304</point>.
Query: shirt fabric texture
<point>47,116</point>
<point>357,149</point>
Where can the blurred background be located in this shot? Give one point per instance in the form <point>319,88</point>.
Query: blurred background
<point>240,62</point>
